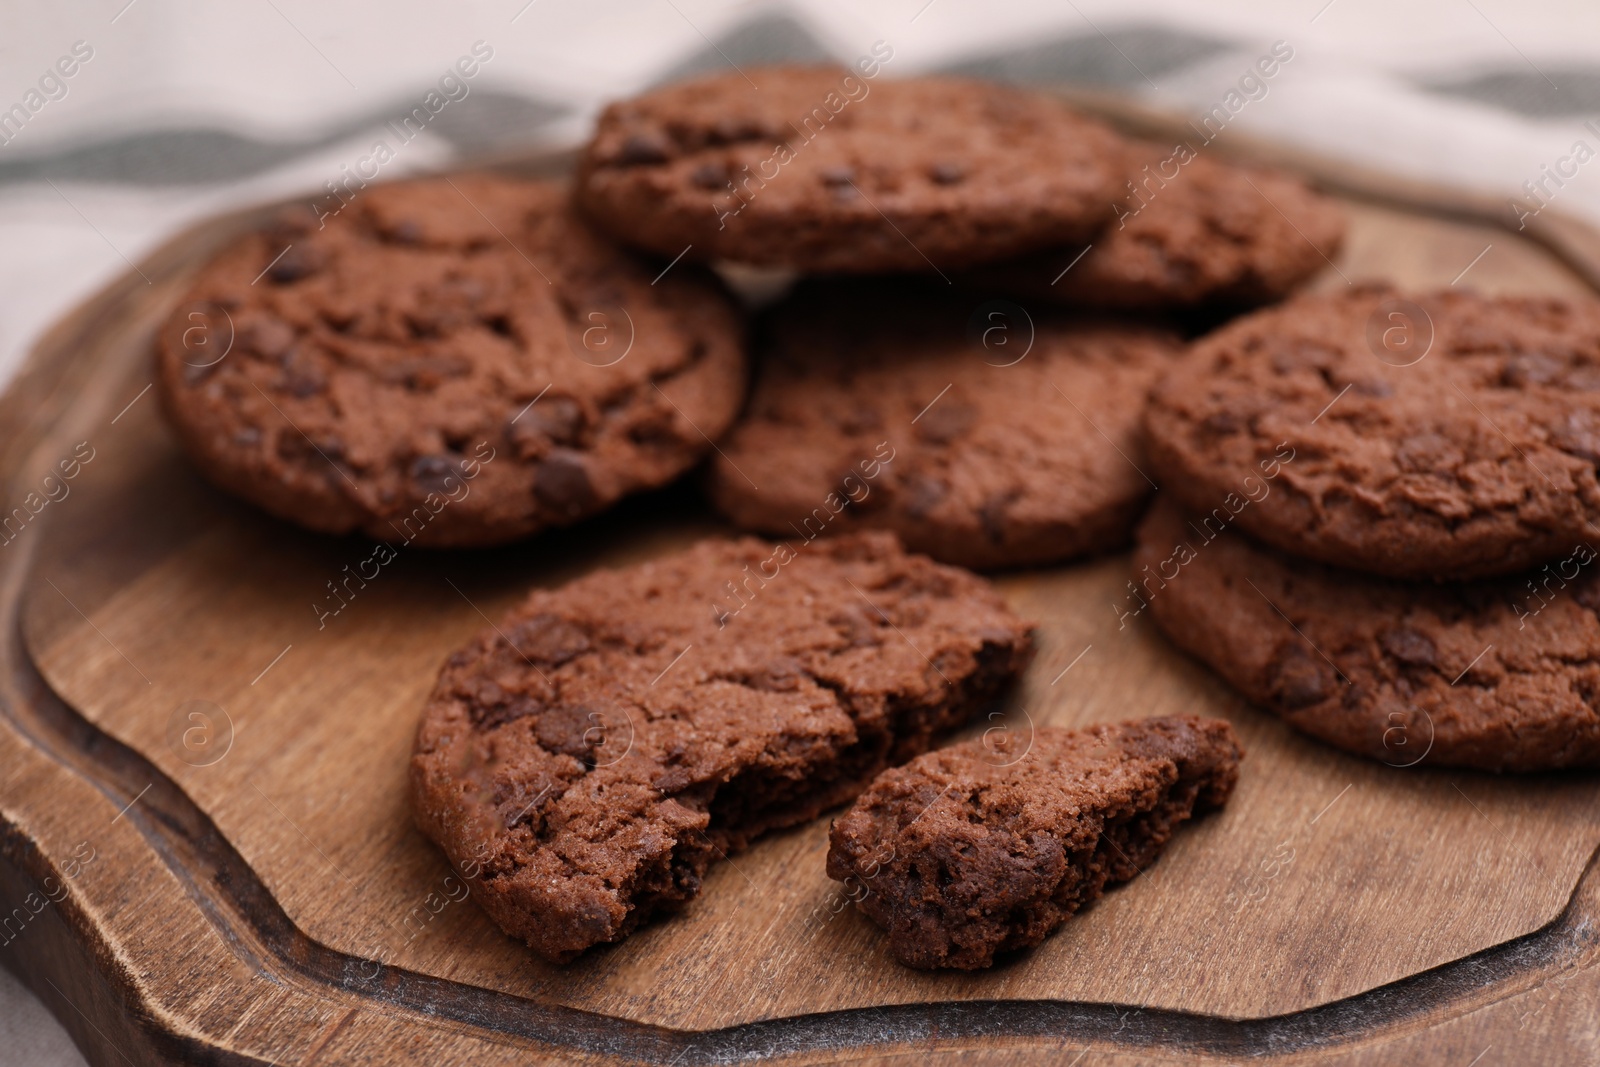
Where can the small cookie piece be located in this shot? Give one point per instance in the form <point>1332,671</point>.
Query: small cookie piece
<point>976,849</point>
<point>1500,675</point>
<point>595,752</point>
<point>445,362</point>
<point>1446,436</point>
<point>1189,231</point>
<point>882,406</point>
<point>822,170</point>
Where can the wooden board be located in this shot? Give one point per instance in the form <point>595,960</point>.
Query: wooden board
<point>256,892</point>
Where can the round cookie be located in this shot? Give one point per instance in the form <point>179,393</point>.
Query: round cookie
<point>588,758</point>
<point>884,407</point>
<point>1189,231</point>
<point>1445,436</point>
<point>446,362</point>
<point>824,170</point>
<point>1501,675</point>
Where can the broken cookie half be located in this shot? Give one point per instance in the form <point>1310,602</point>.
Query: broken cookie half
<point>980,848</point>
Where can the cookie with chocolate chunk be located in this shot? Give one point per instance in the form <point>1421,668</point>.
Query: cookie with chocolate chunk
<point>600,747</point>
<point>1502,675</point>
<point>982,433</point>
<point>826,169</point>
<point>1437,436</point>
<point>1190,231</point>
<point>453,361</point>
<point>982,847</point>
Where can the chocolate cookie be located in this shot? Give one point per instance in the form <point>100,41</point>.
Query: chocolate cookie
<point>1502,675</point>
<point>823,169</point>
<point>456,361</point>
<point>1441,436</point>
<point>885,407</point>
<point>599,748</point>
<point>1189,231</point>
<point>980,848</point>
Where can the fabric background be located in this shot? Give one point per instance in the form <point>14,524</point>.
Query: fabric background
<point>188,108</point>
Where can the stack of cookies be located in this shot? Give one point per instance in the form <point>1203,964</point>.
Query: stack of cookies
<point>466,361</point>
<point>1378,519</point>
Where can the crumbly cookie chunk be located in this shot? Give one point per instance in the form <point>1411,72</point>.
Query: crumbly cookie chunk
<point>977,849</point>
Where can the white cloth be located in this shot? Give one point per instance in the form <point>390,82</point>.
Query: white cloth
<point>187,108</point>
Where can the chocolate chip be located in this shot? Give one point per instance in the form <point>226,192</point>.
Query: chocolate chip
<point>570,729</point>
<point>1297,355</point>
<point>992,515</point>
<point>291,222</point>
<point>488,715</point>
<point>406,232</point>
<point>947,420</point>
<point>302,375</point>
<point>1580,437</point>
<point>246,436</point>
<point>269,336</point>
<point>1297,679</point>
<point>1410,647</point>
<point>424,372</point>
<point>709,176</point>
<point>641,148</point>
<point>922,494</point>
<point>559,418</point>
<point>838,175</point>
<point>296,263</point>
<point>548,639</point>
<point>437,474</point>
<point>1532,368</point>
<point>947,173</point>
<point>1222,423</point>
<point>858,624</point>
<point>783,674</point>
<point>860,418</point>
<point>561,483</point>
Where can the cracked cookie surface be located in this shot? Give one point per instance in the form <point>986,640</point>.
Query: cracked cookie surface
<point>1502,675</point>
<point>451,361</point>
<point>985,847</point>
<point>823,170</point>
<point>1468,450</point>
<point>882,406</point>
<point>596,751</point>
<point>1189,231</point>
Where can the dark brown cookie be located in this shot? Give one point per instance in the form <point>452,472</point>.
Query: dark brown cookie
<point>882,406</point>
<point>447,362</point>
<point>980,848</point>
<point>600,747</point>
<point>1190,230</point>
<point>1502,675</point>
<point>1440,436</point>
<point>823,169</point>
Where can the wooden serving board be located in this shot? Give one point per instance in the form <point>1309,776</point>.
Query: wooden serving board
<point>204,792</point>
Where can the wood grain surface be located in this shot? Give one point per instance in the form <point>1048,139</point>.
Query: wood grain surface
<point>254,892</point>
